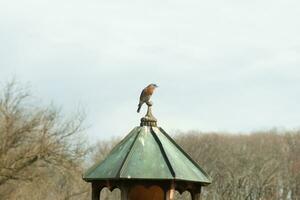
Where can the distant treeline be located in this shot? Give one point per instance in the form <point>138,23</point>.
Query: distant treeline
<point>262,165</point>
<point>43,154</point>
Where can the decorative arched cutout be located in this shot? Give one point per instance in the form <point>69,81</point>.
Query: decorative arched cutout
<point>110,195</point>
<point>139,192</point>
<point>184,196</point>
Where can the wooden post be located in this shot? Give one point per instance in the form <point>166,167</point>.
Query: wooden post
<point>124,193</point>
<point>171,192</point>
<point>196,194</point>
<point>95,192</point>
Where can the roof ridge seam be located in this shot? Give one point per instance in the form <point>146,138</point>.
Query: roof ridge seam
<point>90,170</point>
<point>185,153</point>
<point>162,150</point>
<point>133,142</point>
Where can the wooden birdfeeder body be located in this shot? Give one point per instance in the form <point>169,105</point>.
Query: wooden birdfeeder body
<point>147,165</point>
<point>146,189</point>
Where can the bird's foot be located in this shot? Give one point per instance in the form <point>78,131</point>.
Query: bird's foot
<point>149,103</point>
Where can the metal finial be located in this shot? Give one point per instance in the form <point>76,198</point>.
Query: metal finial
<point>149,119</point>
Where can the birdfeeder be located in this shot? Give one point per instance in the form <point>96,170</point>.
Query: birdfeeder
<point>147,165</point>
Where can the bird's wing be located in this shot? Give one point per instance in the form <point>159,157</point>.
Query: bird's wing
<point>142,96</point>
<point>145,96</point>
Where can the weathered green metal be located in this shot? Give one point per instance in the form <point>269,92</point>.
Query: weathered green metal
<point>147,153</point>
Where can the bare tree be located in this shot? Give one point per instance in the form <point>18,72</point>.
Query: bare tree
<point>36,142</point>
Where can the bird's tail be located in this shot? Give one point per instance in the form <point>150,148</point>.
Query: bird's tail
<point>139,107</point>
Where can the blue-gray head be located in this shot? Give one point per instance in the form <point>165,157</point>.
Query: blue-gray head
<point>153,85</point>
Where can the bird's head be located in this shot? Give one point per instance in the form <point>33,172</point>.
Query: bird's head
<point>153,85</point>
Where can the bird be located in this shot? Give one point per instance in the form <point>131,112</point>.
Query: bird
<point>146,95</point>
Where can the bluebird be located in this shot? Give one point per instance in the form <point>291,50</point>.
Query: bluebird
<point>146,95</point>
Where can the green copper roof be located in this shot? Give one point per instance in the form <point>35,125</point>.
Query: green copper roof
<point>147,153</point>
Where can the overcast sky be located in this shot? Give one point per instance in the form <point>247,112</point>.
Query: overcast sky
<point>220,65</point>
